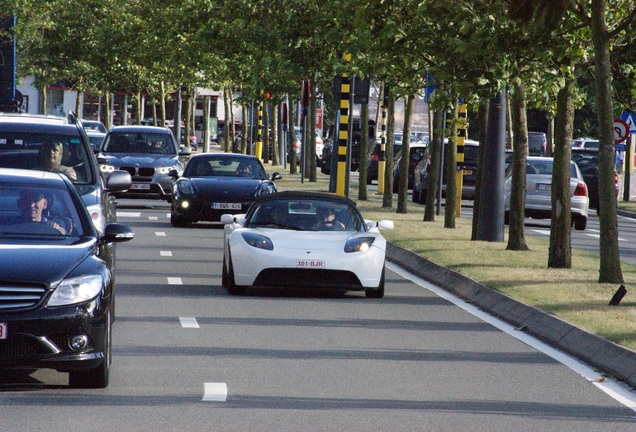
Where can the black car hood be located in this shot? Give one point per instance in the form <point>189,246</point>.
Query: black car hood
<point>232,187</point>
<point>142,160</point>
<point>42,262</point>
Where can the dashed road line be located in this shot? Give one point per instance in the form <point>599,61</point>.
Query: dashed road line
<point>214,392</point>
<point>175,281</point>
<point>160,234</point>
<point>128,214</point>
<point>165,253</point>
<point>189,322</point>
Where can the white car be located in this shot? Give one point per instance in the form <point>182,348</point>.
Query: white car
<point>304,240</point>
<point>539,192</point>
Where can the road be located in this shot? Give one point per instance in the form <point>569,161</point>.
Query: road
<point>186,356</point>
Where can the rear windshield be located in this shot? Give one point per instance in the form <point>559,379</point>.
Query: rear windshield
<point>34,150</point>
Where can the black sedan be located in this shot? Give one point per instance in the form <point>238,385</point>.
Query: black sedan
<point>56,282</point>
<point>217,183</point>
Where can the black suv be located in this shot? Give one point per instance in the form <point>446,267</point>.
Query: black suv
<point>21,146</point>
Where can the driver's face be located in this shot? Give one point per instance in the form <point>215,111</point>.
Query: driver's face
<point>33,206</point>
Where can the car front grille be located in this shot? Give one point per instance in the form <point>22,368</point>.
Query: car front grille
<point>18,297</point>
<point>306,278</point>
<point>139,171</point>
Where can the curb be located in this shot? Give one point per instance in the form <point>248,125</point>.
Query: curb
<point>607,356</point>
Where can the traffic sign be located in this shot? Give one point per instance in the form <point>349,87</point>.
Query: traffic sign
<point>630,119</point>
<point>621,131</point>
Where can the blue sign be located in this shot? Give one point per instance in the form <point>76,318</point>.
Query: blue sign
<point>630,119</point>
<point>620,147</point>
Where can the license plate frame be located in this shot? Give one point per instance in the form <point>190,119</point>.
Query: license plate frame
<point>226,206</point>
<point>310,263</point>
<point>544,187</point>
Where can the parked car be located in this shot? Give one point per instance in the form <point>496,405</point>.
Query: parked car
<point>372,163</point>
<point>539,192</point>
<point>416,154</point>
<point>22,139</point>
<point>320,144</point>
<point>94,126</point>
<point>587,161</point>
<point>147,153</point>
<point>57,314</point>
<point>422,169</point>
<point>537,144</point>
<point>585,143</point>
<point>304,240</point>
<point>325,161</point>
<point>216,183</point>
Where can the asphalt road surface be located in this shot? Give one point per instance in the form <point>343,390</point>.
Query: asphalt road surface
<point>186,356</point>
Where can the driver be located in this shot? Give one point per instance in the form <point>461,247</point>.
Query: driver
<point>327,220</point>
<point>32,204</point>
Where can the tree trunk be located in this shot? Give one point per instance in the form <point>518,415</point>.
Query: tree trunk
<point>451,171</point>
<point>482,120</point>
<point>107,116</point>
<point>560,252</point>
<point>433,166</point>
<point>610,264</point>
<point>516,238</point>
<point>188,117</point>
<point>244,132</point>
<point>409,105</point>
<point>163,104</point>
<point>387,196</point>
<point>364,151</point>
<point>275,149</point>
<point>311,154</point>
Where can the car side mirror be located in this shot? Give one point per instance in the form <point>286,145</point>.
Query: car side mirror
<point>276,176</point>
<point>118,181</point>
<point>173,173</point>
<point>185,151</point>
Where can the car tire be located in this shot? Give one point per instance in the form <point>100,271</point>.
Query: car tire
<point>580,223</point>
<point>99,376</point>
<point>230,286</point>
<point>379,291</point>
<point>176,221</point>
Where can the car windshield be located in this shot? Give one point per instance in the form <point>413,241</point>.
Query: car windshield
<point>304,215</point>
<point>37,212</point>
<point>56,152</point>
<point>139,143</point>
<point>225,166</point>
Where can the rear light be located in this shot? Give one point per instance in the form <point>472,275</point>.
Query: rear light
<point>581,190</point>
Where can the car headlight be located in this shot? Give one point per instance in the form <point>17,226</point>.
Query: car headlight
<point>266,189</point>
<point>166,170</point>
<point>358,244</point>
<point>258,241</point>
<point>105,168</point>
<point>186,187</point>
<point>76,290</point>
<point>97,216</point>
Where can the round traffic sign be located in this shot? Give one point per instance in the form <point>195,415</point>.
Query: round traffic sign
<point>621,131</point>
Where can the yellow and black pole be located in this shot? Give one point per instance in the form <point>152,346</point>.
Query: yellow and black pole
<point>461,137</point>
<point>343,132</point>
<point>258,149</point>
<point>382,155</point>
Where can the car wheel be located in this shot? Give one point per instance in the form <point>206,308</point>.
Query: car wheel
<point>580,223</point>
<point>98,377</point>
<point>176,221</point>
<point>230,286</point>
<point>379,291</point>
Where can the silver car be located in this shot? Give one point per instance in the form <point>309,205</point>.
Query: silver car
<point>539,191</point>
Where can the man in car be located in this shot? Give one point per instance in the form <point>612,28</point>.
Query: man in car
<point>32,204</point>
<point>327,220</point>
<point>50,159</point>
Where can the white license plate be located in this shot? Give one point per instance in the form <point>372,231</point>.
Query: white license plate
<point>3,330</point>
<point>544,187</point>
<point>138,186</point>
<point>226,206</point>
<point>310,264</point>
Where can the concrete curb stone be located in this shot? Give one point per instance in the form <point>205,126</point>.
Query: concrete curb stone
<point>608,357</point>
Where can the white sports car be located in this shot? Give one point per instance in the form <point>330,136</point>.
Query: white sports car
<point>304,240</point>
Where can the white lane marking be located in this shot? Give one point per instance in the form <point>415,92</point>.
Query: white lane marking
<point>544,232</point>
<point>599,236</point>
<point>168,215</point>
<point>174,281</point>
<point>153,218</point>
<point>215,392</point>
<point>165,253</point>
<point>189,322</point>
<point>128,214</point>
<point>618,391</point>
<point>160,234</point>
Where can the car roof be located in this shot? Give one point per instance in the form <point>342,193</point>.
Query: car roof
<point>31,177</point>
<point>234,156</point>
<point>138,128</point>
<point>32,118</point>
<point>299,195</point>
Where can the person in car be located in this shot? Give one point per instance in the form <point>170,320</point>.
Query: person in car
<point>244,170</point>
<point>327,220</point>
<point>50,159</point>
<point>32,204</point>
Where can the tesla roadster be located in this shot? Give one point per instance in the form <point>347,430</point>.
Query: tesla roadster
<point>304,240</point>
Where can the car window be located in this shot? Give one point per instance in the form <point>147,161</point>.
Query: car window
<point>225,167</point>
<point>38,211</point>
<point>139,143</point>
<point>27,150</point>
